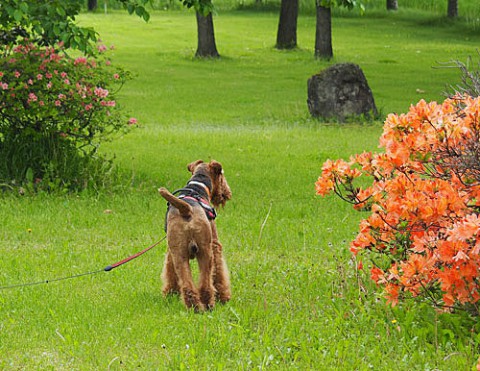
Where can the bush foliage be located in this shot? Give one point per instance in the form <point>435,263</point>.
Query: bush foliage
<point>54,112</point>
<point>47,23</point>
<point>422,234</point>
<point>55,109</point>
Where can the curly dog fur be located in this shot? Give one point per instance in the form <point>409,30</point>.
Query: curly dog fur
<point>191,233</point>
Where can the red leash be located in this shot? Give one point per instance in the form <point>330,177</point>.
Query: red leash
<point>126,260</point>
<point>106,269</point>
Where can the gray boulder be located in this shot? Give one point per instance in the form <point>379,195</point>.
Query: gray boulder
<point>340,91</point>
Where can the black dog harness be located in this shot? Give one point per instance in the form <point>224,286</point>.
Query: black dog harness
<point>191,196</point>
<point>195,193</point>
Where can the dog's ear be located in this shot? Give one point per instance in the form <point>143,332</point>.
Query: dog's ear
<point>216,168</point>
<point>193,165</point>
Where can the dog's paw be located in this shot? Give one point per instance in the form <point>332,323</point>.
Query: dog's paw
<point>207,296</point>
<point>192,300</point>
<point>170,290</point>
<point>224,297</point>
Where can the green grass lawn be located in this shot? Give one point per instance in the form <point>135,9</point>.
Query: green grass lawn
<point>298,302</point>
<point>397,53</point>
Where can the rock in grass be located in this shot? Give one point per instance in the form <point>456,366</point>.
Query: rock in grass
<point>340,91</point>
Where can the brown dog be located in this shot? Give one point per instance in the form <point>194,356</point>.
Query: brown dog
<point>192,233</point>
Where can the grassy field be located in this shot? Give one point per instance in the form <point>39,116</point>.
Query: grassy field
<point>298,301</point>
<point>399,55</point>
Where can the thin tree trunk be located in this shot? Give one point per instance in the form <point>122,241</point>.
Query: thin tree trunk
<point>452,11</point>
<point>323,34</point>
<point>92,5</point>
<point>287,25</point>
<point>206,46</point>
<point>392,5</point>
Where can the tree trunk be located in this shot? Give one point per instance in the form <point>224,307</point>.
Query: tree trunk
<point>92,5</point>
<point>323,34</point>
<point>206,46</point>
<point>287,25</point>
<point>452,11</point>
<point>392,5</point>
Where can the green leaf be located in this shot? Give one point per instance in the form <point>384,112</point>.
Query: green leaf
<point>61,11</point>
<point>139,10</point>
<point>18,15</point>
<point>23,7</point>
<point>10,10</point>
<point>56,30</point>
<point>29,175</point>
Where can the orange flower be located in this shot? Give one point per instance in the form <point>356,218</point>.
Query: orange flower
<point>377,275</point>
<point>324,186</point>
<point>465,229</point>
<point>424,201</point>
<point>392,291</point>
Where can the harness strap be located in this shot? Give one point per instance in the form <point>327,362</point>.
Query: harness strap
<point>209,210</point>
<point>192,195</point>
<point>203,185</point>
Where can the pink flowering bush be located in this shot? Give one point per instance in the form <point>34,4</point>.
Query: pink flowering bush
<point>55,111</point>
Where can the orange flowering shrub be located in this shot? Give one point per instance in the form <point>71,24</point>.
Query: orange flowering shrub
<point>423,228</point>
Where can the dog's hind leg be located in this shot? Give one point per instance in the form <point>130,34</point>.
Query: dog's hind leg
<point>205,264</point>
<point>188,291</point>
<point>221,277</point>
<point>169,277</point>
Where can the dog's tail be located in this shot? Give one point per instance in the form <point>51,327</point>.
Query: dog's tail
<point>183,207</point>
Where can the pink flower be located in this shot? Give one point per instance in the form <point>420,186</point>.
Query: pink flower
<point>42,103</point>
<point>49,85</point>
<point>17,74</point>
<point>108,63</point>
<point>99,92</point>
<point>66,81</point>
<point>61,96</point>
<point>48,75</point>
<point>88,107</point>
<point>30,82</point>
<point>110,103</point>
<point>80,60</point>
<point>1,74</point>
<point>39,76</point>
<point>4,85</point>
<point>132,121</point>
<point>58,103</point>
<point>116,76</point>
<point>32,97</point>
<point>63,74</point>
<point>101,48</point>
